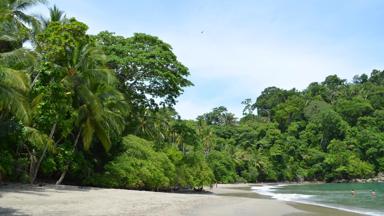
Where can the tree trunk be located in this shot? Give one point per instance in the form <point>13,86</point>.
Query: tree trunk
<point>62,176</point>
<point>34,80</point>
<point>35,168</point>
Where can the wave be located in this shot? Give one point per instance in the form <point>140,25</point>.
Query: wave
<point>271,191</point>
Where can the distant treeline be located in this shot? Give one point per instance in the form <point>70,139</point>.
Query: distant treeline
<point>98,110</point>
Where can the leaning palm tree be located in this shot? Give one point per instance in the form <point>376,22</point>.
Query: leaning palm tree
<point>93,85</point>
<point>100,105</point>
<point>15,86</point>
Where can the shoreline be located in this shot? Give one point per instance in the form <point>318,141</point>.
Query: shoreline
<point>231,199</point>
<point>309,208</point>
<point>303,204</point>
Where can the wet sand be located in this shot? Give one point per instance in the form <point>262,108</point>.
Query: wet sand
<point>243,190</point>
<point>17,199</point>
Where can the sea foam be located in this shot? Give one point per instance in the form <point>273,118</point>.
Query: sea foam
<point>270,190</point>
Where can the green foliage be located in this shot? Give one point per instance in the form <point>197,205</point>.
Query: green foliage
<point>6,164</point>
<point>219,116</point>
<point>14,27</point>
<point>59,41</point>
<point>289,111</point>
<point>146,67</point>
<point>194,171</point>
<point>268,99</point>
<point>139,166</point>
<point>99,110</point>
<point>342,163</point>
<point>351,110</point>
<point>222,166</point>
<point>38,139</point>
<point>14,86</point>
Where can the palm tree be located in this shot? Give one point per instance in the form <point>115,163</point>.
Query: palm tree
<point>15,23</point>
<point>14,85</point>
<point>55,15</point>
<point>207,136</point>
<point>100,105</point>
<point>229,119</point>
<point>15,66</point>
<point>14,81</point>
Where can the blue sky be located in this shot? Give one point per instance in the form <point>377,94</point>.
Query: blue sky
<point>247,46</point>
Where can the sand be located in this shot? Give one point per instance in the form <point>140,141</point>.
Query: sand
<point>16,199</point>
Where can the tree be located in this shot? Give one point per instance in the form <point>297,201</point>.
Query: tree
<point>363,78</point>
<point>289,111</point>
<point>329,125</point>
<point>15,23</point>
<point>149,72</point>
<point>222,166</point>
<point>14,86</point>
<point>77,67</point>
<point>333,85</point>
<point>55,15</point>
<point>342,163</point>
<point>248,108</point>
<point>351,110</point>
<point>269,98</point>
<point>377,77</point>
<point>219,116</point>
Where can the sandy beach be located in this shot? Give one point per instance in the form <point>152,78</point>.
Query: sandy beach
<point>17,199</point>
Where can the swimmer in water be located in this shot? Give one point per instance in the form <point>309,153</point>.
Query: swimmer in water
<point>353,192</point>
<point>373,193</point>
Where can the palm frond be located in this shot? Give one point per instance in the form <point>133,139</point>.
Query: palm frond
<point>38,138</point>
<point>14,102</point>
<point>87,134</point>
<point>8,37</point>
<point>13,87</point>
<point>14,79</point>
<point>25,4</point>
<point>56,15</point>
<point>19,58</point>
<point>102,135</point>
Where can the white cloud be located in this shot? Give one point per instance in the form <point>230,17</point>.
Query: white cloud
<point>191,109</point>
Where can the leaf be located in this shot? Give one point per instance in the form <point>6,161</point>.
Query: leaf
<point>38,138</point>
<point>87,134</point>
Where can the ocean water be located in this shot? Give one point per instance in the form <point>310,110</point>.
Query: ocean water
<point>334,195</point>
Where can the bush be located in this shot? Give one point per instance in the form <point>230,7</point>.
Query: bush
<point>222,166</point>
<point>138,167</point>
<point>194,172</point>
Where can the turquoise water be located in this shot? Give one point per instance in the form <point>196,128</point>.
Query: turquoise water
<point>337,195</point>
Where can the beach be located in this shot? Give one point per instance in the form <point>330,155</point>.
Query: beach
<point>237,199</point>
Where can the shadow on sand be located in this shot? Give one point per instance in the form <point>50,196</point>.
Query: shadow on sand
<point>10,211</point>
<point>40,189</point>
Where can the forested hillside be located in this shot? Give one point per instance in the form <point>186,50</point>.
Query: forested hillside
<point>98,110</point>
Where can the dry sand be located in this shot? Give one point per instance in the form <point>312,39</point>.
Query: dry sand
<point>225,200</point>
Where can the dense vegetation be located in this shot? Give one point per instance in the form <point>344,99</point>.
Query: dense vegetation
<point>98,110</point>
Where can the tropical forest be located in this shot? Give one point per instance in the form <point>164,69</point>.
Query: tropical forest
<point>98,110</point>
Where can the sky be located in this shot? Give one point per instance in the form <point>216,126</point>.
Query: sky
<point>235,49</point>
